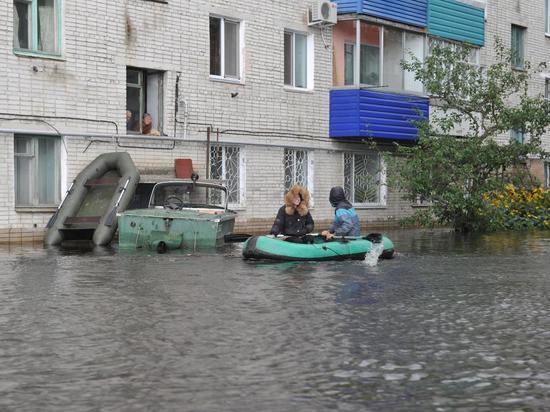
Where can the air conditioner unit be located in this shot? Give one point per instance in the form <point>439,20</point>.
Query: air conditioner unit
<point>322,12</point>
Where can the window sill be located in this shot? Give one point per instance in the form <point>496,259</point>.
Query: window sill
<point>237,82</point>
<point>293,89</point>
<point>370,206</point>
<point>28,53</point>
<point>547,35</point>
<point>35,209</point>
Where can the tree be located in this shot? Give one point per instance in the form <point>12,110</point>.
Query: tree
<point>450,170</point>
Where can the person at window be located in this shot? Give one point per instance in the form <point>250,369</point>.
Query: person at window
<point>293,218</point>
<point>147,126</point>
<point>130,122</point>
<point>346,221</point>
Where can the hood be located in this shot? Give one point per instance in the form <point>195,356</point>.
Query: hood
<point>337,198</point>
<point>303,207</point>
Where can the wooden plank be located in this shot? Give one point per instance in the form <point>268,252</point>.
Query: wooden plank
<point>81,219</point>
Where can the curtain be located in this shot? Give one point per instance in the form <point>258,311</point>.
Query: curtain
<point>46,26</point>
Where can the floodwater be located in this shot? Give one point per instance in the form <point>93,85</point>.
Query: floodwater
<point>451,324</point>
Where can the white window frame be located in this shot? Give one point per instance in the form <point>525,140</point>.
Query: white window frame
<point>310,162</point>
<point>242,172</point>
<point>310,60</point>
<point>222,76</point>
<point>382,186</point>
<point>547,175</point>
<point>61,175</point>
<point>547,18</point>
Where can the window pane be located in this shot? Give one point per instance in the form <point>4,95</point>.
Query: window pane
<point>289,168</point>
<point>47,172</point>
<point>231,49</point>
<point>215,46</point>
<point>21,24</point>
<point>134,76</point>
<point>232,177</point>
<point>393,54</point>
<point>134,107</point>
<point>23,171</point>
<point>343,34</point>
<point>370,54</point>
<point>300,65</point>
<point>366,179</point>
<point>47,30</point>
<point>546,14</point>
<point>348,175</point>
<point>414,45</point>
<point>349,63</point>
<point>296,168</point>
<point>518,46</point>
<point>288,58</point>
<point>301,168</point>
<point>547,175</point>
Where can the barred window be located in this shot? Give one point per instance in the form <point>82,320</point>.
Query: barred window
<point>364,178</point>
<point>225,165</point>
<point>296,168</point>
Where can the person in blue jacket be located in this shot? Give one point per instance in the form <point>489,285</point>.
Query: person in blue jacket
<point>346,221</point>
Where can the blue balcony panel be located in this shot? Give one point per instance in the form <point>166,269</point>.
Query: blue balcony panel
<point>413,12</point>
<point>374,114</point>
<point>454,20</point>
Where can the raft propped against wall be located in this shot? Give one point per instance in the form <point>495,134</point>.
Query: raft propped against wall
<point>88,212</point>
<point>273,248</point>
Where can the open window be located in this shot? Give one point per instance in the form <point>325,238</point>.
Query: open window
<point>144,97</point>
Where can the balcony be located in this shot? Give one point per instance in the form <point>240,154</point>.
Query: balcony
<point>411,12</point>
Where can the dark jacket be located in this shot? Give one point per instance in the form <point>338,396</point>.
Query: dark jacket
<point>294,220</point>
<point>346,221</point>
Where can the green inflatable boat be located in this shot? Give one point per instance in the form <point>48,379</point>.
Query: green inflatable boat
<point>273,248</point>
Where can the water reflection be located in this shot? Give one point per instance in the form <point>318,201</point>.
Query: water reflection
<point>452,323</point>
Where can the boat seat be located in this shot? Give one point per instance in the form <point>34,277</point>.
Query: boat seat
<point>74,220</point>
<point>106,181</point>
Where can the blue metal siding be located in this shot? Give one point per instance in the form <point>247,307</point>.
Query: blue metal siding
<point>454,20</point>
<point>348,6</point>
<point>413,12</point>
<point>367,113</point>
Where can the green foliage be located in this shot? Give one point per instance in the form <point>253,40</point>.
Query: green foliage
<point>453,172</point>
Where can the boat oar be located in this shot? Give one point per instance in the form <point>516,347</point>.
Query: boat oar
<point>236,237</point>
<point>112,216</point>
<point>54,217</point>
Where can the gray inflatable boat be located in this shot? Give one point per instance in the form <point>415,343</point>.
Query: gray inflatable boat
<point>88,212</point>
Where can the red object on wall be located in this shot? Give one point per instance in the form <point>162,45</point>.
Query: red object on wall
<point>184,168</point>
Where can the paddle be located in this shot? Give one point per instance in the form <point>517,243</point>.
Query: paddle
<point>54,217</point>
<point>112,216</point>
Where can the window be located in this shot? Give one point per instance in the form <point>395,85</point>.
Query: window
<point>473,55</point>
<point>225,48</point>
<point>226,164</point>
<point>547,16</point>
<point>37,171</point>
<point>364,178</point>
<point>144,95</point>
<point>298,165</point>
<point>547,93</point>
<point>37,26</point>
<point>378,62</point>
<point>297,59</point>
<point>547,175</point>
<point>518,42</point>
<point>517,135</point>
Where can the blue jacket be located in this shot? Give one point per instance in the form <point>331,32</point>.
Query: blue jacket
<point>346,223</point>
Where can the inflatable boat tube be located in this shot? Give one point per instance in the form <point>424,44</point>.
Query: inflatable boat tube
<point>267,247</point>
<point>88,212</point>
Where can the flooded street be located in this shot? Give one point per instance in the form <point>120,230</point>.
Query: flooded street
<point>452,323</point>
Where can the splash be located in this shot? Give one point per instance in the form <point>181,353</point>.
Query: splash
<point>371,258</point>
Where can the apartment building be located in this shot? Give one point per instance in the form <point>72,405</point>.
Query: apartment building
<point>258,94</point>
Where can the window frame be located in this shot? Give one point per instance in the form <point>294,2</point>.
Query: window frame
<point>518,55</point>
<point>547,175</point>
<point>241,170</point>
<point>382,186</point>
<point>309,60</point>
<point>310,170</point>
<point>240,47</point>
<point>34,175</point>
<point>517,136</point>
<point>142,85</point>
<point>33,50</point>
<point>547,18</point>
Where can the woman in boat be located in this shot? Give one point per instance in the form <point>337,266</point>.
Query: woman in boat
<point>293,218</point>
<point>346,221</point>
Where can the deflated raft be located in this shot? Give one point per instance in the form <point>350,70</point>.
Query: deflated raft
<point>267,247</point>
<point>88,212</point>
